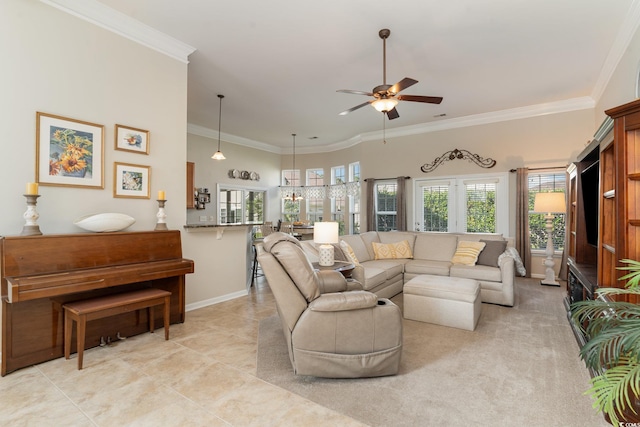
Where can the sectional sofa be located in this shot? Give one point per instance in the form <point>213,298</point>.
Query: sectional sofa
<point>386,260</point>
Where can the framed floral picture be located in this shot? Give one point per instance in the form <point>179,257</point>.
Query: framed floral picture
<point>69,152</point>
<point>131,181</point>
<point>132,139</point>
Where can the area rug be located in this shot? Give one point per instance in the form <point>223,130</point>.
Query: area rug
<point>519,367</point>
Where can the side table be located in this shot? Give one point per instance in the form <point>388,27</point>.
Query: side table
<point>345,268</point>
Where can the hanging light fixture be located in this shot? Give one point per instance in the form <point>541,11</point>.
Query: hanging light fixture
<point>218,154</point>
<point>292,192</point>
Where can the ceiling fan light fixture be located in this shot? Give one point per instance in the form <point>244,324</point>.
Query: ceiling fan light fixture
<point>385,104</point>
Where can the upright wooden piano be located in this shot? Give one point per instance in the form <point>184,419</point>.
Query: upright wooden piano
<point>41,273</point>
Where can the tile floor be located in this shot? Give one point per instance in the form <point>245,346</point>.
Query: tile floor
<point>203,376</point>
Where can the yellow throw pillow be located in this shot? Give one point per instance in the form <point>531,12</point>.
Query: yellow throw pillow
<point>348,251</point>
<point>392,250</point>
<point>467,252</point>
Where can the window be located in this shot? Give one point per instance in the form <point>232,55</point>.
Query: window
<point>435,205</point>
<point>386,212</point>
<point>315,177</point>
<point>338,204</point>
<point>291,208</point>
<point>238,205</point>
<point>354,201</point>
<point>555,181</point>
<point>471,203</point>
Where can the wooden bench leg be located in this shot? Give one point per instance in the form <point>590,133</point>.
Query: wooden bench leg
<point>68,329</point>
<point>152,319</point>
<point>167,316</point>
<point>82,328</point>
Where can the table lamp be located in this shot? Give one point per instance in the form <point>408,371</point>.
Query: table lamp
<point>324,234</point>
<point>548,204</point>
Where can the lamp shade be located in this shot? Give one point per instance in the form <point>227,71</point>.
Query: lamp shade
<point>549,203</point>
<point>384,104</point>
<point>325,232</point>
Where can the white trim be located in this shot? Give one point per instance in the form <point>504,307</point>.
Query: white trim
<point>216,300</point>
<point>119,23</point>
<point>582,103</point>
<point>620,45</point>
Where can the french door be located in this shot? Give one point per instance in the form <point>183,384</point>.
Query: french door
<point>469,203</point>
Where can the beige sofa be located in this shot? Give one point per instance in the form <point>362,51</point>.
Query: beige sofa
<point>431,254</point>
<point>333,328</point>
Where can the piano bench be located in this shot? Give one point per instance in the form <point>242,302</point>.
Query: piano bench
<point>110,305</point>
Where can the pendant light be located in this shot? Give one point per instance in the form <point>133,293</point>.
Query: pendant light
<point>218,154</point>
<point>292,192</point>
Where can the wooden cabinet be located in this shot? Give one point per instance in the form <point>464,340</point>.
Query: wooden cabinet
<point>621,195</point>
<point>191,178</point>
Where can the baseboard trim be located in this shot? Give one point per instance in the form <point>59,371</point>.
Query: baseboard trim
<point>216,300</point>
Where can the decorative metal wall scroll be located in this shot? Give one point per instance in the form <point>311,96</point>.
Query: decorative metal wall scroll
<point>458,154</point>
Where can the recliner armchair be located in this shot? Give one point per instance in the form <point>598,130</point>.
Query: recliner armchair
<point>331,329</point>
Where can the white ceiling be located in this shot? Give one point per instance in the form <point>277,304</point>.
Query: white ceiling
<point>280,62</point>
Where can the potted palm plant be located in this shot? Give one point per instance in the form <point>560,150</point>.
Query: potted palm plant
<point>612,328</point>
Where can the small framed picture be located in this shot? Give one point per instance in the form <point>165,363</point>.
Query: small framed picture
<point>131,181</point>
<point>69,152</point>
<point>132,139</point>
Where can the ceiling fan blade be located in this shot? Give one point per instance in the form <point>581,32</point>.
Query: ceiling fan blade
<point>356,107</point>
<point>418,98</point>
<point>357,92</point>
<point>402,85</point>
<point>393,114</point>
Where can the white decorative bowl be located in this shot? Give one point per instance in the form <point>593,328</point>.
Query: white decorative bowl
<point>104,222</point>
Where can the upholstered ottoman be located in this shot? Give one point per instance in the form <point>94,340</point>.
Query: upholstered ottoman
<point>443,300</point>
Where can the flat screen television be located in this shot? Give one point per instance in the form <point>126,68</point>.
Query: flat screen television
<point>590,183</point>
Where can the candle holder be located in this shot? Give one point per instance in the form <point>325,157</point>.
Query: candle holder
<point>161,224</point>
<point>31,227</point>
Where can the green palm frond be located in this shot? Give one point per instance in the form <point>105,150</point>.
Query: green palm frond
<point>611,390</point>
<point>634,274</point>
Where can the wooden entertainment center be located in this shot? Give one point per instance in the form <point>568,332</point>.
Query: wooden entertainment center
<point>603,224</point>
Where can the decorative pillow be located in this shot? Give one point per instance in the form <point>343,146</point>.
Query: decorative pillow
<point>467,252</point>
<point>392,250</point>
<point>348,251</point>
<point>491,252</point>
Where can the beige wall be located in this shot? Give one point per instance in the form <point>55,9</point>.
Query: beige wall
<point>59,64</point>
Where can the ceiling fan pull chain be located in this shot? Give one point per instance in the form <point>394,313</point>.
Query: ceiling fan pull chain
<point>384,129</point>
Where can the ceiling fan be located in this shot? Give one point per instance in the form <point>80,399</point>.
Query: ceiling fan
<point>386,96</point>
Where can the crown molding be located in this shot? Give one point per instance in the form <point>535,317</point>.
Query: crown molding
<point>623,39</point>
<point>573,104</point>
<point>110,19</point>
<point>567,105</point>
<point>238,140</point>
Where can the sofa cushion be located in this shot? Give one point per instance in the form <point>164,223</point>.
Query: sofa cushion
<point>397,236</point>
<point>424,266</point>
<point>435,246</point>
<point>467,252</point>
<point>373,277</point>
<point>295,262</point>
<point>368,238</point>
<point>358,246</point>
<point>491,252</point>
<point>477,272</point>
<point>348,253</point>
<point>391,267</point>
<point>392,250</point>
